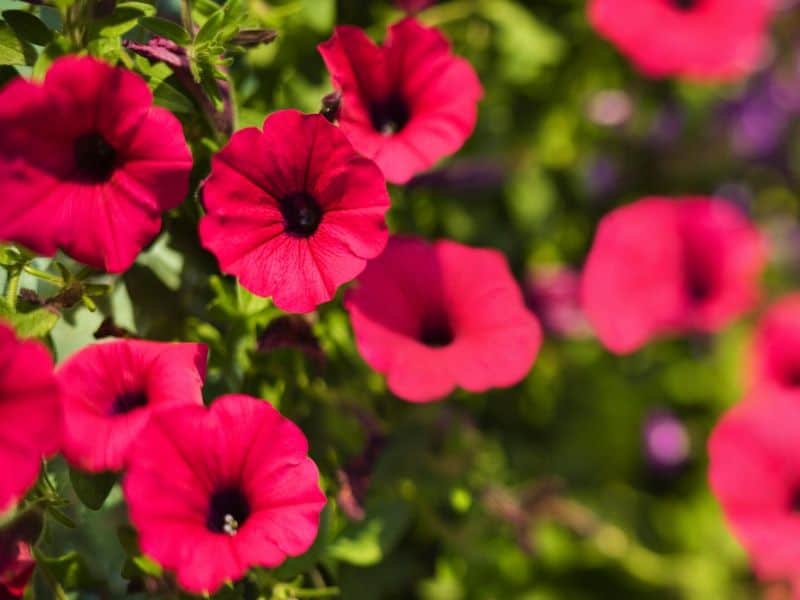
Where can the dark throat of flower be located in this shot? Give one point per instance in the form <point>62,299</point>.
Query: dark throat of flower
<point>389,116</point>
<point>128,401</point>
<point>95,158</point>
<point>436,331</point>
<point>684,5</point>
<point>301,214</point>
<point>228,510</point>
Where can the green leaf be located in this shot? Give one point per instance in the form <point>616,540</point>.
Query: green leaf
<point>128,539</point>
<point>124,18</point>
<point>92,489</point>
<point>170,98</point>
<point>167,29</point>
<point>28,27</point>
<point>369,541</point>
<point>58,47</point>
<point>210,28</point>
<point>34,324</point>
<point>148,566</point>
<point>60,517</point>
<point>14,51</point>
<point>69,569</point>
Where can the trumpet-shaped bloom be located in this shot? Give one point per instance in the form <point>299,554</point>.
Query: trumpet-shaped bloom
<point>30,414</point>
<point>87,163</point>
<point>293,211</point>
<point>111,390</point>
<point>696,39</point>
<point>214,492</point>
<point>754,471</point>
<point>405,104</point>
<point>435,316</point>
<point>661,266</point>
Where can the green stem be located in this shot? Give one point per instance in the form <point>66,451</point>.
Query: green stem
<point>12,286</point>
<point>54,279</point>
<point>327,592</point>
<point>186,16</point>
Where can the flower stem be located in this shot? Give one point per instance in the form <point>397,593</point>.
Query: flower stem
<point>12,286</point>
<point>327,592</point>
<point>54,279</point>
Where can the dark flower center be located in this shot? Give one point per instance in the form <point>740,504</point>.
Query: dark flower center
<point>389,116</point>
<point>301,214</point>
<point>228,510</point>
<point>436,332</point>
<point>790,377</point>
<point>95,158</point>
<point>684,5</point>
<point>128,401</point>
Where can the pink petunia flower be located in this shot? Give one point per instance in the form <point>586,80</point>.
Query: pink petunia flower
<point>435,316</point>
<point>293,211</point>
<point>30,414</point>
<point>660,266</point>
<point>775,353</point>
<point>111,390</point>
<point>754,471</point>
<point>214,492</point>
<point>696,39</point>
<point>16,568</point>
<point>405,104</point>
<point>87,163</point>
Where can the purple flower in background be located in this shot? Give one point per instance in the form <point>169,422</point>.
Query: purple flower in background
<point>601,176</point>
<point>666,441</point>
<point>552,292</point>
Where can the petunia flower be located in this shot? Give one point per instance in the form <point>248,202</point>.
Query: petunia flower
<point>30,414</point>
<point>754,471</point>
<point>293,211</point>
<point>87,163</point>
<point>16,569</point>
<point>697,39</point>
<point>405,104</point>
<point>111,390</point>
<point>214,492</point>
<point>435,316</point>
<point>660,266</point>
<point>775,352</point>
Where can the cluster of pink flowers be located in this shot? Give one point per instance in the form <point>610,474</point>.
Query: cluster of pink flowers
<point>293,210</point>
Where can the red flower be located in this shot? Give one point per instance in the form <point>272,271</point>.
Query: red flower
<point>661,265</point>
<point>697,39</point>
<point>214,492</point>
<point>87,163</point>
<point>754,471</point>
<point>30,414</point>
<point>293,211</point>
<point>16,569</point>
<point>434,316</point>
<point>406,104</point>
<point>776,348</point>
<point>111,390</point>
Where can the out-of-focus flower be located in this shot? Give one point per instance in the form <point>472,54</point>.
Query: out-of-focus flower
<point>435,316</point>
<point>97,186</point>
<point>661,266</point>
<point>610,108</point>
<point>16,569</point>
<point>696,39</point>
<point>775,353</point>
<point>754,471</point>
<point>214,492</point>
<point>601,176</point>
<point>666,441</point>
<point>111,390</point>
<point>293,211</point>
<point>465,176</point>
<point>553,294</point>
<point>405,104</point>
<point>30,414</point>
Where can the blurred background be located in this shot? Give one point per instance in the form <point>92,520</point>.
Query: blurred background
<point>587,480</point>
